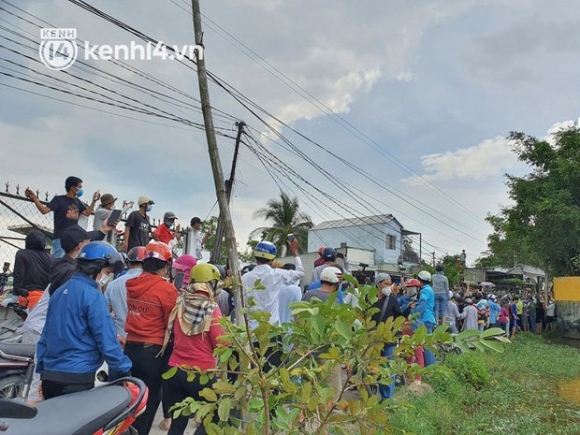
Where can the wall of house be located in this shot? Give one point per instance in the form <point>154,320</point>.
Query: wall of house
<point>369,237</point>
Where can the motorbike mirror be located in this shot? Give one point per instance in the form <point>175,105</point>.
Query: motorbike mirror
<point>13,409</point>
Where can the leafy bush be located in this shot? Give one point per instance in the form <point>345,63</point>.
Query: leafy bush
<point>469,368</point>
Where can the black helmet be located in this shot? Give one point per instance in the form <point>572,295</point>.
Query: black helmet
<point>439,268</point>
<point>329,254</point>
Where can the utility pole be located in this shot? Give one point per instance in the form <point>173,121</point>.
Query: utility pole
<point>433,259</point>
<point>219,234</point>
<point>216,166</point>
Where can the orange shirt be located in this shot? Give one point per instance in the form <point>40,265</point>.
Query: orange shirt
<point>150,300</point>
<point>164,233</point>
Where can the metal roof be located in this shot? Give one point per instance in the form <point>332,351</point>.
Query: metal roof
<point>358,221</point>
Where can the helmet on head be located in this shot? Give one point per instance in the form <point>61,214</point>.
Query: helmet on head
<point>413,282</point>
<point>424,276</point>
<point>185,263</point>
<point>331,274</point>
<point>94,251</point>
<point>440,268</point>
<point>157,250</point>
<point>221,269</point>
<point>204,273</point>
<point>95,255</point>
<point>328,254</point>
<point>136,254</point>
<point>266,250</point>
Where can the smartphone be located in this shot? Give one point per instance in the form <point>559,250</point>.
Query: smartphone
<point>113,217</point>
<point>290,237</point>
<point>340,255</point>
<point>178,281</point>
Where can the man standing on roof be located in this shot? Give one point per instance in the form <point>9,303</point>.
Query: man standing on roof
<point>66,209</point>
<point>167,231</point>
<point>138,227</point>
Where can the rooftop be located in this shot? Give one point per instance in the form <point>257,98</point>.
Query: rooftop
<point>355,222</point>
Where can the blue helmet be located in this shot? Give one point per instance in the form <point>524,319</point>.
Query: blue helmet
<point>265,250</point>
<point>102,251</point>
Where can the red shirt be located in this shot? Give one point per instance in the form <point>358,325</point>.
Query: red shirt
<point>164,233</point>
<point>196,350</point>
<point>150,300</point>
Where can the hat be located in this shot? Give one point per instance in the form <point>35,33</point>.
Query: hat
<point>72,236</point>
<point>144,199</point>
<point>107,199</point>
<point>185,262</point>
<point>169,215</point>
<point>381,277</point>
<point>331,274</point>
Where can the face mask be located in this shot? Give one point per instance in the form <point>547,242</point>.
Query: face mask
<point>104,280</point>
<point>79,193</point>
<point>149,207</point>
<point>386,290</point>
<point>412,291</point>
<point>168,223</point>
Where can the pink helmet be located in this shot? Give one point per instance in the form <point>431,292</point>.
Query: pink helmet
<point>185,263</point>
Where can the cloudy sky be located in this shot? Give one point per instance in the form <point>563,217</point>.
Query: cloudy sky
<point>400,107</point>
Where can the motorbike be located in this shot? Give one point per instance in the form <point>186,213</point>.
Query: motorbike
<point>16,369</point>
<point>106,410</point>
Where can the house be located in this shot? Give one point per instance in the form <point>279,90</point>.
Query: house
<point>380,239</point>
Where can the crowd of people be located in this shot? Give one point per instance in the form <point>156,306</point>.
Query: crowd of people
<point>146,311</point>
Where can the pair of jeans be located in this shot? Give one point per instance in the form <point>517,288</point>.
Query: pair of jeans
<point>148,367</point>
<point>177,388</point>
<point>387,391</point>
<point>441,301</point>
<point>428,355</point>
<point>57,251</point>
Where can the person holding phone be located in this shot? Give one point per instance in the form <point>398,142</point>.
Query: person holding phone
<point>106,212</point>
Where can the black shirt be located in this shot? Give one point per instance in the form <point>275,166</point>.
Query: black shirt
<point>140,228</point>
<point>66,212</point>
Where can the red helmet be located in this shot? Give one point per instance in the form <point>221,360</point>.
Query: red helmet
<point>413,282</point>
<point>158,250</point>
<point>136,254</point>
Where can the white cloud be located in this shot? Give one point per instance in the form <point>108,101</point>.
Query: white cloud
<point>489,158</point>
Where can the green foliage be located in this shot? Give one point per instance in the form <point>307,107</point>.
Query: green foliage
<point>296,395</point>
<point>520,397</point>
<point>469,368</point>
<point>286,218</point>
<point>542,228</point>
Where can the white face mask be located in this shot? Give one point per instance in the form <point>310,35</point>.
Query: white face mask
<point>104,280</point>
<point>386,290</point>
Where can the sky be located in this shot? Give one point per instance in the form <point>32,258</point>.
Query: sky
<point>398,107</point>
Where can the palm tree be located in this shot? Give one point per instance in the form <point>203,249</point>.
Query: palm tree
<point>286,217</point>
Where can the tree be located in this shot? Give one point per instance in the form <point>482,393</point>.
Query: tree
<point>542,228</point>
<point>286,218</point>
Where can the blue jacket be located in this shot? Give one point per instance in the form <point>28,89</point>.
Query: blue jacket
<point>425,305</point>
<point>494,310</point>
<point>79,335</point>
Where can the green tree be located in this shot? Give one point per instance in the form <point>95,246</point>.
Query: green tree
<point>286,218</point>
<point>542,228</point>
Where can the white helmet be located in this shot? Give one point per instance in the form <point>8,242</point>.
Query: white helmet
<point>424,276</point>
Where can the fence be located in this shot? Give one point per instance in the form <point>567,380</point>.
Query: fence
<point>19,215</point>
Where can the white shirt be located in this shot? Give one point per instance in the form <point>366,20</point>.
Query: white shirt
<point>288,294</point>
<point>37,316</point>
<point>194,243</point>
<point>273,281</point>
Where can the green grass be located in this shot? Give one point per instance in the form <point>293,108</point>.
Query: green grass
<point>510,393</point>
